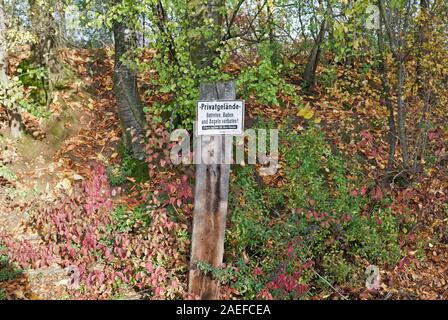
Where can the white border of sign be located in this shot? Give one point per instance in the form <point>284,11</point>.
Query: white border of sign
<point>211,132</point>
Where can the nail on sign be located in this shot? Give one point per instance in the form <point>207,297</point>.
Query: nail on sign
<point>220,117</point>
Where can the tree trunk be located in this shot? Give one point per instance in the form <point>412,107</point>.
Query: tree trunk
<point>130,107</point>
<point>392,135</point>
<point>421,40</point>
<point>14,114</point>
<point>203,48</point>
<point>3,48</point>
<point>161,20</point>
<point>397,47</point>
<point>309,75</point>
<point>62,25</point>
<point>273,43</point>
<point>424,93</point>
<point>401,117</point>
<point>48,38</point>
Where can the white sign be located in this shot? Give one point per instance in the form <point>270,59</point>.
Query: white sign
<point>220,117</point>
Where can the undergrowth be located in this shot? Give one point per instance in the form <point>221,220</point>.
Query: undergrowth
<point>7,271</point>
<point>322,227</point>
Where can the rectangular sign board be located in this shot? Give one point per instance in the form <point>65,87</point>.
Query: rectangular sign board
<point>220,117</point>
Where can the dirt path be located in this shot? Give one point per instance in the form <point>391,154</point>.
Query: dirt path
<point>84,129</point>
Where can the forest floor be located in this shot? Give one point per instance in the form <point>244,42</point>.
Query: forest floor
<point>85,129</point>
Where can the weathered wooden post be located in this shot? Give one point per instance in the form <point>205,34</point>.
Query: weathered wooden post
<point>212,154</point>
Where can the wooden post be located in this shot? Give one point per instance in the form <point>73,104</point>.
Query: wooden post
<point>211,196</point>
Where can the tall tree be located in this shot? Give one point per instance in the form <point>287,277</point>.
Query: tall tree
<point>398,46</point>
<point>3,48</point>
<point>45,28</point>
<point>206,20</point>
<point>15,117</point>
<point>309,74</point>
<point>392,135</point>
<point>130,107</point>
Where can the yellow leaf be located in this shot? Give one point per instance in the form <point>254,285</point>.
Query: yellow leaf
<point>306,113</point>
<point>318,120</point>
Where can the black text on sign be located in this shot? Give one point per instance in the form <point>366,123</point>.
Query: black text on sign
<point>220,117</point>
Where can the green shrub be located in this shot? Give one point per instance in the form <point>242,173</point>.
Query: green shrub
<point>7,173</point>
<point>249,216</point>
<point>329,76</point>
<point>7,272</point>
<point>28,91</point>
<point>36,78</point>
<point>116,175</point>
<point>318,214</point>
<point>323,185</point>
<point>3,295</point>
<point>264,80</point>
<point>125,220</point>
<point>129,167</point>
